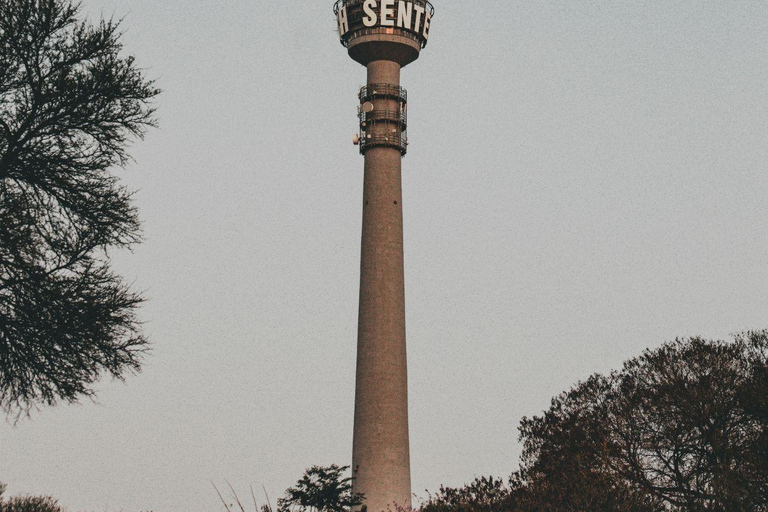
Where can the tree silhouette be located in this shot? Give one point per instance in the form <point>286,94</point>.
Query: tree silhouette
<point>321,489</point>
<point>69,105</point>
<point>28,503</point>
<point>484,494</point>
<point>683,427</point>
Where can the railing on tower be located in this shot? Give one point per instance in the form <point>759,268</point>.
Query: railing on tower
<point>383,127</point>
<point>368,92</point>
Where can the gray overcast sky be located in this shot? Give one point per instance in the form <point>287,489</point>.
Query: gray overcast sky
<point>585,179</point>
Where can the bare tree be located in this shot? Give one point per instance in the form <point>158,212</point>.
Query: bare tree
<point>70,103</point>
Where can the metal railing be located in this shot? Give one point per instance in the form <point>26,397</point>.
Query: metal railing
<point>389,31</point>
<point>371,91</point>
<point>357,30</point>
<point>392,116</point>
<point>371,140</point>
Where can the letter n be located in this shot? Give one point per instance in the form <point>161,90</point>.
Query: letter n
<point>404,14</point>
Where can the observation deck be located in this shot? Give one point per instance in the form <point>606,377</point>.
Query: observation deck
<point>395,30</point>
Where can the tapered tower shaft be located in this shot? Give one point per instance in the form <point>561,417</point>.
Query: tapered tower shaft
<point>383,35</point>
<point>380,452</point>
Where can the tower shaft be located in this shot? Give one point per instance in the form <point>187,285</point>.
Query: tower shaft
<point>380,455</point>
<point>384,36</point>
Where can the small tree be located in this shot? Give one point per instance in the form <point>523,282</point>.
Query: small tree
<point>69,105</point>
<point>321,489</point>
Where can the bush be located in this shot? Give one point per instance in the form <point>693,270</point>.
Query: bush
<point>482,495</point>
<point>28,503</point>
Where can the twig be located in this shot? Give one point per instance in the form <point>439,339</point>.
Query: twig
<point>235,495</point>
<point>269,504</point>
<point>220,496</point>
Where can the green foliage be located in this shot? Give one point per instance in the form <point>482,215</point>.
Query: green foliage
<point>321,489</point>
<point>69,105</point>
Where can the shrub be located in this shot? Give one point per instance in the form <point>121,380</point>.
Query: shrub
<point>28,503</point>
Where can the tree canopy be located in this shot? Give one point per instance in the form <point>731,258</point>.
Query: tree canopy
<point>681,428</point>
<point>70,103</point>
<point>28,503</point>
<point>321,489</point>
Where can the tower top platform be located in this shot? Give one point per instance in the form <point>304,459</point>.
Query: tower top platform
<point>394,30</point>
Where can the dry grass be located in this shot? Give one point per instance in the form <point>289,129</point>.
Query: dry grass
<point>236,505</point>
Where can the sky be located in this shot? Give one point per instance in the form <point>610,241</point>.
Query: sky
<point>586,179</point>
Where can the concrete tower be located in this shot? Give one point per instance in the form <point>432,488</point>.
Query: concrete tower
<point>384,36</point>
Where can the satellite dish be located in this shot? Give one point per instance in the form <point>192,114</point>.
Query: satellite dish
<point>367,107</point>
<point>356,140</point>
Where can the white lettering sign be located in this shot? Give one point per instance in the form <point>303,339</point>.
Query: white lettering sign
<point>370,19</point>
<point>404,14</point>
<point>419,12</point>
<point>388,13</point>
<point>343,21</point>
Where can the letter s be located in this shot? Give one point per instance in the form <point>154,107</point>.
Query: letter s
<point>370,19</point>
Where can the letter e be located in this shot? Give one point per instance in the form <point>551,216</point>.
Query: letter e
<point>427,20</point>
<point>419,11</point>
<point>388,13</point>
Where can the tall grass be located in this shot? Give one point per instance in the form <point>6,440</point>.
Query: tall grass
<point>236,505</point>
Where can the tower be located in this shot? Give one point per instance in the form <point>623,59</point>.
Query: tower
<point>384,36</point>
